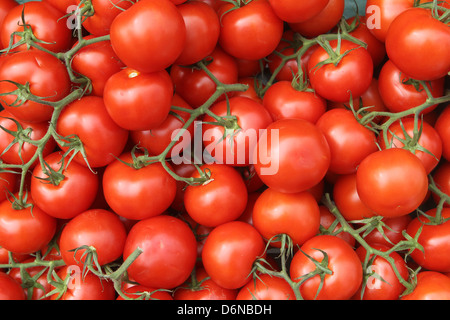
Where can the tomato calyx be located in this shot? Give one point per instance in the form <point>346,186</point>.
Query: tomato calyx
<point>438,11</point>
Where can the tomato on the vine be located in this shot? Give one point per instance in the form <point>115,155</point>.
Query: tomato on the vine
<point>297,11</point>
<point>266,287</point>
<point>10,289</point>
<point>430,285</point>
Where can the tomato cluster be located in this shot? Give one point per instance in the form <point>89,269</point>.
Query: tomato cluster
<point>224,150</point>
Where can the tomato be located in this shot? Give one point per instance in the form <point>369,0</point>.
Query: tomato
<point>347,200</point>
<point>392,231</point>
<point>19,154</point>
<point>136,193</point>
<point>16,257</point>
<point>266,287</point>
<point>251,31</point>
<point>434,238</point>
<point>350,142</point>
<point>105,11</point>
<point>136,100</point>
<point>47,23</point>
<point>229,253</point>
<point>103,140</point>
<point>84,286</point>
<point>323,22</point>
<point>421,60</point>
<point>292,155</point>
<point>10,289</point>
<point>294,214</point>
<point>5,7</point>
<point>429,145</point>
<point>327,219</point>
<point>399,95</point>
<point>47,78</point>
<point>297,11</point>
<point>225,195</point>
<point>233,144</point>
<point>352,75</point>
<point>154,37</point>
<point>145,293</point>
<point>248,68</point>
<point>442,126</point>
<point>61,5</point>
<point>202,31</point>
<point>381,13</point>
<point>252,90</point>
<point>284,100</point>
<point>157,139</point>
<point>25,230</point>
<point>431,285</point>
<point>8,184</point>
<point>203,288</point>
<point>392,182</point>
<point>384,284</point>
<point>98,62</point>
<point>251,178</point>
<point>343,262</point>
<point>169,251</point>
<point>183,170</point>
<point>195,86</point>
<point>441,177</point>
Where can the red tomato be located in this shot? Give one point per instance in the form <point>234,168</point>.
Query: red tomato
<point>203,288</point>
<point>434,238</point>
<point>292,155</point>
<point>183,170</point>
<point>294,214</point>
<point>229,253</point>
<point>169,251</point>
<point>202,31</point>
<point>327,219</point>
<point>138,292</point>
<point>346,271</point>
<point>47,78</point>
<point>131,192</point>
<point>233,144</point>
<point>421,60</point>
<point>24,230</point>
<point>251,31</point>
<point>266,287</point>
<point>195,86</point>
<point>392,182</point>
<point>46,22</point>
<point>225,194</point>
<point>398,95</point>
<point>10,289</point>
<point>103,140</point>
<point>297,11</point>
<point>441,177</point>
<point>350,142</point>
<point>61,5</point>
<point>252,91</point>
<point>442,126</point>
<point>352,75</point>
<point>5,7</point>
<point>283,100</point>
<point>392,231</point>
<point>138,101</point>
<point>431,285</point>
<point>154,38</point>
<point>8,184</point>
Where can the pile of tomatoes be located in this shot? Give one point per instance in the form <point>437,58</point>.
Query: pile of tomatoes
<point>224,150</point>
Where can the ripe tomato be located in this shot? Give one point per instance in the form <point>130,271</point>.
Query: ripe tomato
<point>251,31</point>
<point>352,75</point>
<point>136,100</point>
<point>10,289</point>
<point>442,126</point>
<point>327,219</point>
<point>154,37</point>
<point>392,231</point>
<point>294,214</point>
<point>343,262</point>
<point>234,145</point>
<point>146,293</point>
<point>8,184</point>
<point>5,7</point>
<point>229,253</point>
<point>392,182</point>
<point>47,23</point>
<point>441,177</point>
<point>182,170</point>
<point>252,91</point>
<point>266,287</point>
<point>47,78</point>
<point>297,11</point>
<point>350,142</point>
<point>431,285</point>
<point>25,231</point>
<point>131,193</point>
<point>169,251</point>
<point>61,5</point>
<point>421,60</point>
<point>292,155</point>
<point>225,194</point>
<point>283,101</point>
<point>103,140</point>
<point>202,31</point>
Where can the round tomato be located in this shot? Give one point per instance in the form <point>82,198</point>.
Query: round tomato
<point>229,253</point>
<point>5,7</point>
<point>169,252</point>
<point>292,155</point>
<point>344,275</point>
<point>431,285</point>
<point>442,126</point>
<point>10,289</point>
<point>327,220</point>
<point>441,177</point>
<point>136,100</point>
<point>161,35</point>
<point>391,231</point>
<point>392,182</point>
<point>297,11</point>
<point>266,287</point>
<point>61,5</point>
<point>135,193</point>
<point>8,184</point>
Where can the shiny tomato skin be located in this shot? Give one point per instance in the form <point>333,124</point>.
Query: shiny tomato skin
<point>8,184</point>
<point>131,193</point>
<point>442,126</point>
<point>229,252</point>
<point>169,252</point>
<point>150,38</point>
<point>5,7</point>
<point>441,177</point>
<point>431,285</point>
<point>266,287</point>
<point>297,11</point>
<point>392,231</point>
<point>10,289</point>
<point>61,5</point>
